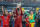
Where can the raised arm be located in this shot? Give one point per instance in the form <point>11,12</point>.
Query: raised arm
<point>2,10</point>
<point>27,13</point>
<point>16,11</point>
<point>13,10</point>
<point>35,13</point>
<point>21,11</point>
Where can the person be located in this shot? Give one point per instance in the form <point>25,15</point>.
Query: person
<point>5,18</point>
<point>10,22</point>
<point>0,19</point>
<point>39,20</point>
<point>12,18</point>
<point>36,19</point>
<point>27,21</point>
<point>19,17</point>
<point>31,18</point>
<point>23,20</point>
<point>15,16</point>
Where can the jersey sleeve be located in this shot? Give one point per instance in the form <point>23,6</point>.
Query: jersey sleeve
<point>16,11</point>
<point>35,13</point>
<point>21,12</point>
<point>27,13</point>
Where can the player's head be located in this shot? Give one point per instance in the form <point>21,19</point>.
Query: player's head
<point>10,13</point>
<point>5,11</point>
<point>6,14</point>
<point>31,12</point>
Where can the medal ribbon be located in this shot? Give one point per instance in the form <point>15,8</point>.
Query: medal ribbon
<point>31,16</point>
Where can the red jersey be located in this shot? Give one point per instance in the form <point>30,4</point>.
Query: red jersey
<point>5,20</point>
<point>27,22</point>
<point>0,22</point>
<point>19,17</point>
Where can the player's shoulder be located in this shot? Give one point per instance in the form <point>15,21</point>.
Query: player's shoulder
<point>8,15</point>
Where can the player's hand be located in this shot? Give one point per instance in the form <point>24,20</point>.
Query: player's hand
<point>37,9</point>
<point>23,9</point>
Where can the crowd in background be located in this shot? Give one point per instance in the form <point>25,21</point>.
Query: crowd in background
<point>23,1</point>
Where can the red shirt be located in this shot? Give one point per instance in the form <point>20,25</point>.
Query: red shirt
<point>27,22</point>
<point>0,22</point>
<point>19,19</point>
<point>5,20</point>
<point>15,18</point>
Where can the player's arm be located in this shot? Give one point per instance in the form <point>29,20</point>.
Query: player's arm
<point>13,13</point>
<point>13,10</point>
<point>16,11</point>
<point>21,10</point>
<point>35,13</point>
<point>27,13</point>
<point>2,10</point>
